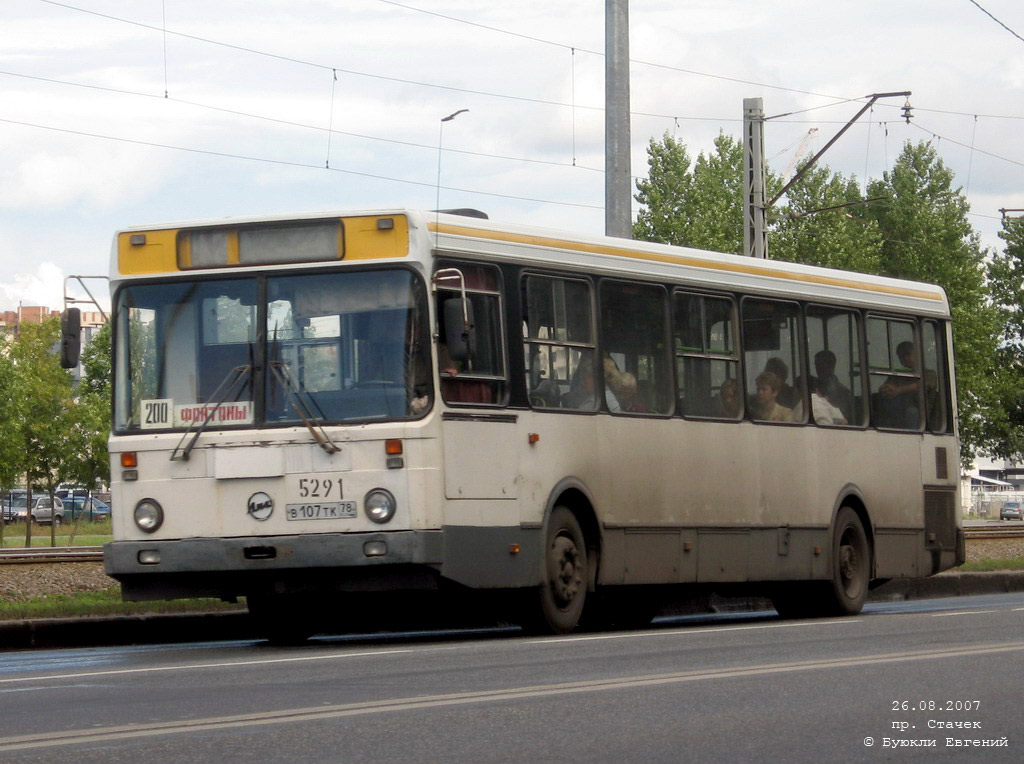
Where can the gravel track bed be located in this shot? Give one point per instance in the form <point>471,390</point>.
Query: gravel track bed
<point>24,582</point>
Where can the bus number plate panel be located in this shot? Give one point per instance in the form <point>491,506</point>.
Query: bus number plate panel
<point>316,488</point>
<point>330,510</point>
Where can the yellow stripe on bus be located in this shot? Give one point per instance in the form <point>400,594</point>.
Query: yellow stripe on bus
<point>604,249</point>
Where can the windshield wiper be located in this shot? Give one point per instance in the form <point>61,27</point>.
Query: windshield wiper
<point>295,395</point>
<point>231,379</point>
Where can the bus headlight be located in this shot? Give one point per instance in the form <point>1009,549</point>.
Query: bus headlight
<point>149,515</point>
<point>379,505</point>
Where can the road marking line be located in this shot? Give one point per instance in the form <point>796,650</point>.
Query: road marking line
<point>688,631</point>
<point>963,612</point>
<point>183,667</point>
<point>285,716</point>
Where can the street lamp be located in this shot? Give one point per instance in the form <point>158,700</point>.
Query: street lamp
<point>440,137</point>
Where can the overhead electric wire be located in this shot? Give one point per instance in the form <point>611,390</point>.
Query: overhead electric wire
<point>1000,23</point>
<point>292,123</point>
<point>290,163</point>
<point>304,62</point>
<point>966,146</point>
<point>164,31</point>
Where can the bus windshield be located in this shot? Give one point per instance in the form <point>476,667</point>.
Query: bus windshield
<point>272,350</point>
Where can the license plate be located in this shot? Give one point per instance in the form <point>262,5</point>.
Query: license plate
<point>330,510</point>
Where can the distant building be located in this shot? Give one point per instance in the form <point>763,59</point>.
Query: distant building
<point>989,484</point>
<point>11,320</point>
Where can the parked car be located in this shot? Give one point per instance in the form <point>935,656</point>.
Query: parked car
<point>16,508</point>
<point>89,507</point>
<point>1011,510</point>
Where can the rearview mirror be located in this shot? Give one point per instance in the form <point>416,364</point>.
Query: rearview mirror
<point>70,337</point>
<point>459,330</point>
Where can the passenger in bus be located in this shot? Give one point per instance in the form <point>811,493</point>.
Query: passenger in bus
<point>727,403</point>
<point>821,408</point>
<point>621,389</point>
<point>455,390</point>
<point>829,385</point>
<point>788,396</point>
<point>766,405</point>
<point>897,403</point>
<point>583,393</point>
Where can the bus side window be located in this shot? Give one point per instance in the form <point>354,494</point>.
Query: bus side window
<point>707,357</point>
<point>895,376</point>
<point>836,380</point>
<point>480,378</point>
<point>936,387</point>
<point>635,358</point>
<point>772,357</point>
<point>558,340</point>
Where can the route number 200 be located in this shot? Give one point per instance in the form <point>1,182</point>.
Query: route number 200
<point>156,413</point>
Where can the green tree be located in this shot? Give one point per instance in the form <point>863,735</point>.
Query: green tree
<point>12,462</point>
<point>1004,428</point>
<point>90,465</point>
<point>927,237</point>
<point>825,223</point>
<point>692,206</point>
<point>48,422</point>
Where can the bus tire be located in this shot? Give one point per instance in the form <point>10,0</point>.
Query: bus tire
<point>563,589</point>
<point>281,619</point>
<point>846,591</point>
<point>851,565</point>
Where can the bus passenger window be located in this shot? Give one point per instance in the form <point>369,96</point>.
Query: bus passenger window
<point>480,378</point>
<point>936,384</point>
<point>707,359</point>
<point>558,340</point>
<point>771,347</point>
<point>894,360</point>
<point>636,362</point>
<point>836,382</point>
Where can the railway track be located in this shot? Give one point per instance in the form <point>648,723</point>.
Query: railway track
<point>998,532</point>
<point>46,554</point>
<point>38,555</point>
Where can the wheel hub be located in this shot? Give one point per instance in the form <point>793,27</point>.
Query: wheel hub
<point>565,579</point>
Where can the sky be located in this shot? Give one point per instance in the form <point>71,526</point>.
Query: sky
<point>125,112</point>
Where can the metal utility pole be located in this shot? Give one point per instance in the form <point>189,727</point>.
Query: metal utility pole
<point>755,242</point>
<point>754,230</point>
<point>618,192</point>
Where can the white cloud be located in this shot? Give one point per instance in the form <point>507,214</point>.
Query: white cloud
<point>44,286</point>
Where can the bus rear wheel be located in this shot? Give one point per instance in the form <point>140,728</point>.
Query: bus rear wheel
<point>563,589</point>
<point>847,590</point>
<point>851,565</point>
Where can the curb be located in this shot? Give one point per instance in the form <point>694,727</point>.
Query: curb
<point>236,625</point>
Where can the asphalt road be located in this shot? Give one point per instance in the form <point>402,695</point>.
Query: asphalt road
<point>739,688</point>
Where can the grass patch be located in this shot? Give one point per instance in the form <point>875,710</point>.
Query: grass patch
<point>88,534</point>
<point>104,603</point>
<point>983,566</point>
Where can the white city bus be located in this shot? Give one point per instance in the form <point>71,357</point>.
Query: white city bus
<point>402,401</point>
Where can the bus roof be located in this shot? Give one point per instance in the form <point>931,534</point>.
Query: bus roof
<point>478,238</point>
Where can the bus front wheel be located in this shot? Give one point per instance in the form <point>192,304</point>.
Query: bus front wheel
<point>563,589</point>
<point>280,618</point>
